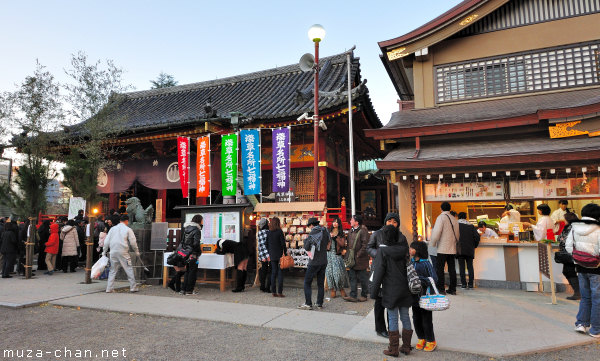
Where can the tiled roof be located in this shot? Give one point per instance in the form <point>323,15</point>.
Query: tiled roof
<point>490,148</point>
<point>492,109</point>
<point>268,95</point>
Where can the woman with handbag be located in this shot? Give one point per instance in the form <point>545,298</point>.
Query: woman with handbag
<point>422,318</point>
<point>562,256</point>
<point>390,276</point>
<point>337,277</point>
<point>276,248</point>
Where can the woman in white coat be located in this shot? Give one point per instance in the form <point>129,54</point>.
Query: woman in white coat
<point>545,223</point>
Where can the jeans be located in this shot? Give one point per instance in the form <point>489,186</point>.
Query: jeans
<point>404,318</point>
<point>433,260</point>
<point>461,269</point>
<point>311,272</point>
<point>441,261</point>
<point>363,277</point>
<point>423,321</point>
<point>589,306</point>
<point>191,275</point>
<point>264,275</point>
<point>276,274</point>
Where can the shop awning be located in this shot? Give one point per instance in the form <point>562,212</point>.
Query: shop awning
<point>290,207</point>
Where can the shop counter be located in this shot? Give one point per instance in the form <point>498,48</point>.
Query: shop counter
<point>499,263</point>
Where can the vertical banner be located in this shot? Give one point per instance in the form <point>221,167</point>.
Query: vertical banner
<point>281,160</point>
<point>229,164</point>
<point>183,162</point>
<point>203,167</point>
<point>250,140</point>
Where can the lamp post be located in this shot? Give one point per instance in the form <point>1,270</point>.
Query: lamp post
<point>316,33</point>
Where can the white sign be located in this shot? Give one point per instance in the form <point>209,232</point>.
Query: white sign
<point>75,204</point>
<point>467,191</point>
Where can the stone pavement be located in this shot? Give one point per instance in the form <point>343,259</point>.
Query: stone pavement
<point>19,292</point>
<point>489,322</point>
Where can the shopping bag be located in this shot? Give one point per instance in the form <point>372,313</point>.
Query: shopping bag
<point>99,266</point>
<point>104,274</point>
<point>435,302</point>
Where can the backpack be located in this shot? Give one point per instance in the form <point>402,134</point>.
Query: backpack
<point>414,283</point>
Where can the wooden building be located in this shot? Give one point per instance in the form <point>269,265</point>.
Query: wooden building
<point>153,119</point>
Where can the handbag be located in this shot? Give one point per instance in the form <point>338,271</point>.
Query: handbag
<point>286,262</point>
<point>435,302</point>
<point>349,260</point>
<point>585,259</point>
<point>414,283</point>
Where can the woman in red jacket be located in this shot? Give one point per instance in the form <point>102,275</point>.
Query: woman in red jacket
<point>52,249</point>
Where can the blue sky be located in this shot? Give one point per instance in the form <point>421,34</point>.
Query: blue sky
<point>203,40</point>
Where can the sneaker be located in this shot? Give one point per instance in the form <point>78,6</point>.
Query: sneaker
<point>430,346</point>
<point>182,293</point>
<point>597,335</point>
<point>134,290</point>
<point>50,273</point>
<point>110,291</point>
<point>319,307</point>
<point>305,307</point>
<point>420,344</point>
<point>191,293</point>
<point>470,286</point>
<point>463,286</point>
<point>581,329</point>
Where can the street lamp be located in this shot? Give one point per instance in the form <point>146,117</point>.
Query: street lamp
<point>316,33</point>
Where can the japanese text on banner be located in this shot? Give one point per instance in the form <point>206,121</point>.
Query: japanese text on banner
<point>229,164</point>
<point>281,160</point>
<point>183,163</point>
<point>203,167</point>
<point>250,141</point>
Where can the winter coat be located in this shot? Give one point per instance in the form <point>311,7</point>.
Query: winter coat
<point>377,239</point>
<point>9,243</point>
<point>70,241</point>
<point>389,274</point>
<point>119,239</point>
<point>239,250</point>
<point>445,234</point>
<point>339,242</point>
<point>276,245</point>
<point>319,237</point>
<point>52,243</point>
<point>585,237</point>
<point>468,240</point>
<point>191,238</point>
<point>359,235</point>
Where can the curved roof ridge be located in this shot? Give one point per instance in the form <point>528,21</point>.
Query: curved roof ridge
<point>232,79</point>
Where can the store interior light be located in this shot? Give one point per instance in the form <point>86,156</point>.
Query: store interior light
<point>480,175</point>
<point>428,176</point>
<point>522,172</point>
<point>403,177</point>
<point>493,174</point>
<point>568,170</point>
<point>466,175</point>
<point>508,173</point>
<point>552,171</point>
<point>584,169</point>
<point>537,172</point>
<point>442,176</point>
<point>453,176</point>
<point>416,177</point>
<point>95,210</point>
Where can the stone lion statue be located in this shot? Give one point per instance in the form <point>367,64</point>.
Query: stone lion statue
<point>137,214</point>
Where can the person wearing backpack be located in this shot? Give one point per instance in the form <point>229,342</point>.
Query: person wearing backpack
<point>316,245</point>
<point>584,244</point>
<point>390,278</point>
<point>357,259</point>
<point>423,319</point>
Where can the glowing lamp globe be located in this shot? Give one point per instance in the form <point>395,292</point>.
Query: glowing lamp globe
<point>316,33</point>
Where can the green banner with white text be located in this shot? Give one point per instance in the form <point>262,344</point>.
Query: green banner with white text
<point>229,164</point>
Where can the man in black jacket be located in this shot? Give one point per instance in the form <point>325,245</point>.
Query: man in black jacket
<point>467,242</point>
<point>191,242</point>
<point>316,244</point>
<point>374,242</point>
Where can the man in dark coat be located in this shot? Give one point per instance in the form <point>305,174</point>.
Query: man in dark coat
<point>9,247</point>
<point>358,238</point>
<point>374,242</point>
<point>467,242</point>
<point>316,244</point>
<point>81,236</point>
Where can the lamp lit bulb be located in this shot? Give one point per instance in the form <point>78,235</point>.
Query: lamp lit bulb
<point>316,33</point>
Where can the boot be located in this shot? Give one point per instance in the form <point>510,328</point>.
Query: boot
<point>406,338</point>
<point>240,280</point>
<point>394,343</point>
<point>332,294</point>
<point>574,282</point>
<point>342,293</point>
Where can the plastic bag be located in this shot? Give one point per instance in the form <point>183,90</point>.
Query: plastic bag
<point>98,267</point>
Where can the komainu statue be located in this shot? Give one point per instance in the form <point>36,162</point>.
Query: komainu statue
<point>137,214</point>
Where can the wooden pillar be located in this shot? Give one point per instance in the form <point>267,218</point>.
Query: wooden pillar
<point>323,170</point>
<point>162,195</point>
<point>413,209</point>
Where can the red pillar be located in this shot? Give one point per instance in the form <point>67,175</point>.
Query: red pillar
<point>113,201</point>
<point>162,195</point>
